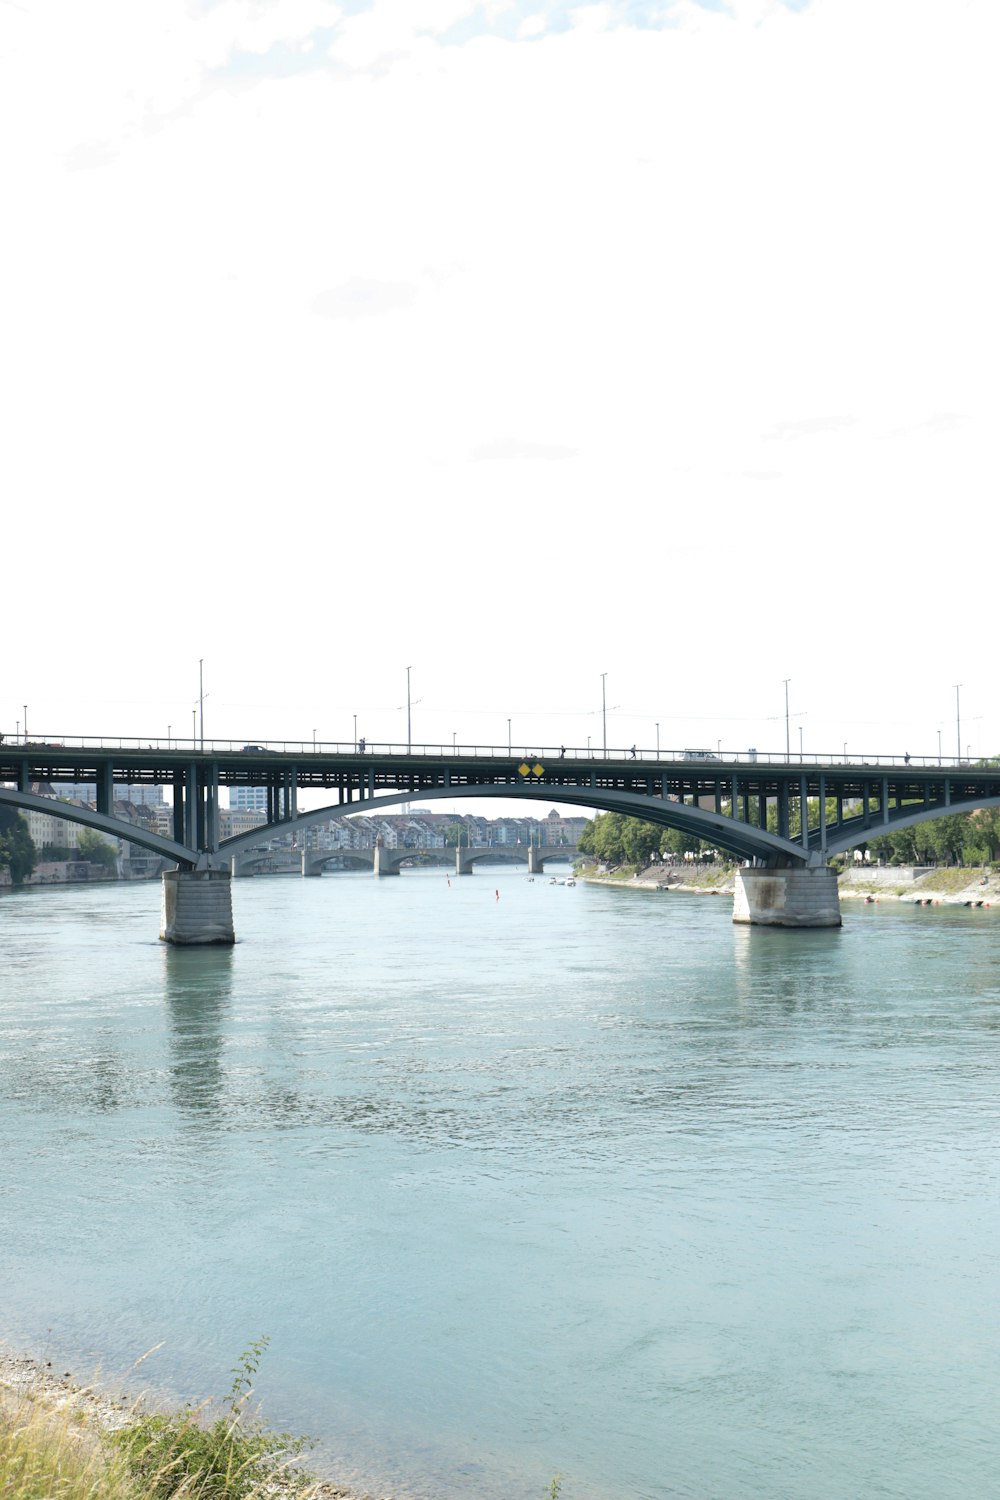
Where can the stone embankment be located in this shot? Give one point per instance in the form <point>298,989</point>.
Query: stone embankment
<point>944,885</point>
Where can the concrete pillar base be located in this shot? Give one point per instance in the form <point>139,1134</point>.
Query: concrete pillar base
<point>802,896</point>
<point>197,907</point>
<point>381,865</point>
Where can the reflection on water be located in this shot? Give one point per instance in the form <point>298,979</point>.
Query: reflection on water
<point>580,1180</point>
<point>198,989</point>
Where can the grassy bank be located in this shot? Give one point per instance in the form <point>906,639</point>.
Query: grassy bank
<point>62,1442</point>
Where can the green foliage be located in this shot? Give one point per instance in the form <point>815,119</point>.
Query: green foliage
<point>233,1457</point>
<point>16,849</point>
<point>959,839</point>
<point>455,834</point>
<point>92,847</point>
<point>617,840</point>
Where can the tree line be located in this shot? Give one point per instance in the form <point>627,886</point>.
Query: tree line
<point>971,838</point>
<point>616,840</point>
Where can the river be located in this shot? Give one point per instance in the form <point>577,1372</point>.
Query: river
<point>520,1179</point>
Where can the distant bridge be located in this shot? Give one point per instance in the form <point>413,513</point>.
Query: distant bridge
<point>721,799</point>
<point>382,861</point>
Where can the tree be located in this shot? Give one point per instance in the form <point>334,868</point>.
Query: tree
<point>95,849</point>
<point>16,849</point>
<point>617,840</point>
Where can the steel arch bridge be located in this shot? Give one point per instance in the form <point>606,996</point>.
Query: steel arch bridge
<point>724,801</point>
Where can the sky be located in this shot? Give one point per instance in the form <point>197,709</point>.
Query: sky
<point>542,348</point>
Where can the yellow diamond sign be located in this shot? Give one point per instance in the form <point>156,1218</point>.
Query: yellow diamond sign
<point>537,768</point>
<point>524,769</point>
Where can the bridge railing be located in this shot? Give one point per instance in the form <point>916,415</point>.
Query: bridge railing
<point>547,755</point>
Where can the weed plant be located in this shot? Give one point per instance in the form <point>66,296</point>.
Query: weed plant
<point>232,1458</point>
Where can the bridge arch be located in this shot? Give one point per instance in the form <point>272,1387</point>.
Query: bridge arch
<point>739,838</point>
<point>854,832</point>
<point>133,833</point>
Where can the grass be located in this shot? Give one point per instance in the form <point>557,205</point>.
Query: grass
<point>53,1453</point>
<point>949,880</point>
<point>46,1455</point>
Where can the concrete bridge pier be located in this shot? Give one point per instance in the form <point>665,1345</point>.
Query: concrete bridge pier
<point>789,896</point>
<point>197,907</point>
<point>463,862</point>
<point>535,861</point>
<point>383,862</point>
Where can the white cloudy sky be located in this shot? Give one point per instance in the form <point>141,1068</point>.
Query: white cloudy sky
<point>516,341</point>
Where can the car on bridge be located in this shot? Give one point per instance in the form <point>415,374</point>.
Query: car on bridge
<point>699,755</point>
<point>254,750</point>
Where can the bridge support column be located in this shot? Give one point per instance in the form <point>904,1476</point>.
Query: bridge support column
<point>382,863</point>
<point>798,896</point>
<point>463,865</point>
<point>197,907</point>
<point>535,862</point>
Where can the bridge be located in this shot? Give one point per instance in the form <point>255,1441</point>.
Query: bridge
<point>384,861</point>
<point>833,802</point>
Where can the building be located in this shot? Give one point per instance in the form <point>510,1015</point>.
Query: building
<point>248,799</point>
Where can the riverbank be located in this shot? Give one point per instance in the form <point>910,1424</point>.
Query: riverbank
<point>943,885</point>
<point>52,1411</point>
<point>700,880</point>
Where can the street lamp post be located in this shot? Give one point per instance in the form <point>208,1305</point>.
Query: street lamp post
<point>788,747</point>
<point>604,712</point>
<point>845,752</point>
<point>657,741</point>
<point>800,743</point>
<point>25,721</point>
<point>508,737</point>
<point>409,730</point>
<point>355,731</point>
<point>939,747</point>
<point>314,742</point>
<point>168,736</point>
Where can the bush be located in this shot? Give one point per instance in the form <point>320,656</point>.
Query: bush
<point>234,1457</point>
